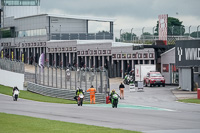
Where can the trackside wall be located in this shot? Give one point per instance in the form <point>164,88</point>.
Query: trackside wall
<point>11,79</point>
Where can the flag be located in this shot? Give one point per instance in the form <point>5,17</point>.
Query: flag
<point>41,60</point>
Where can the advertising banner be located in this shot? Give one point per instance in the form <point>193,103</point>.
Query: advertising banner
<point>187,53</point>
<point>165,67</point>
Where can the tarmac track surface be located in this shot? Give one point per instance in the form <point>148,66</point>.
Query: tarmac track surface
<point>146,120</point>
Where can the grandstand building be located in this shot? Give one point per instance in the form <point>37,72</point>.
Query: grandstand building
<point>65,40</point>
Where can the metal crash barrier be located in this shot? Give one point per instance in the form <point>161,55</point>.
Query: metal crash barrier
<point>62,93</point>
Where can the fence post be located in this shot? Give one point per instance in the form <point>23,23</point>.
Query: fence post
<point>108,82</point>
<point>65,78</point>
<point>48,75</point>
<point>60,77</point>
<point>80,77</point>
<point>101,81</point>
<point>75,79</point>
<point>85,79</point>
<point>43,75</point>
<point>36,73</point>
<point>52,76</point>
<point>96,79</point>
<point>56,77</point>
<point>40,74</point>
<point>70,85</point>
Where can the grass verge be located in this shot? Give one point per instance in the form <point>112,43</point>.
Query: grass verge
<point>36,97</point>
<point>197,101</point>
<point>23,124</point>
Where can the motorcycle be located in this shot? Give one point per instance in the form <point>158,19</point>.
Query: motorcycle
<point>80,99</point>
<point>15,95</point>
<point>114,100</point>
<point>128,79</point>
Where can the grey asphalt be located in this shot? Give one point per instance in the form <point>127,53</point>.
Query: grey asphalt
<point>179,118</point>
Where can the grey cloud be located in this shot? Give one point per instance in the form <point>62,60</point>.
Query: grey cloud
<point>133,8</point>
<point>136,13</point>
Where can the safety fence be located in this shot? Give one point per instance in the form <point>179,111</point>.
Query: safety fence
<point>62,93</point>
<point>13,66</point>
<point>81,36</point>
<point>70,78</point>
<point>60,82</point>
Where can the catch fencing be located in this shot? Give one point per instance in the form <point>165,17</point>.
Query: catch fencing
<point>13,66</point>
<point>71,78</point>
<point>61,82</point>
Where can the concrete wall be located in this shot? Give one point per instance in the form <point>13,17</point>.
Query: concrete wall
<point>167,58</point>
<point>31,23</point>
<point>11,79</point>
<point>185,78</point>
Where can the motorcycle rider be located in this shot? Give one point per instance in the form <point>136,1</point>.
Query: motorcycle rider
<point>126,78</point>
<point>92,91</point>
<point>78,91</point>
<point>132,73</point>
<point>15,88</point>
<point>112,93</point>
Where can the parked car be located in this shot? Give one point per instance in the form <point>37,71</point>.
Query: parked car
<point>153,79</point>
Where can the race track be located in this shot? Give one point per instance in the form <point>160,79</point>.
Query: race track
<point>130,117</point>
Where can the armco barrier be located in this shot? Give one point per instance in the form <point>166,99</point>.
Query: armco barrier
<point>62,93</point>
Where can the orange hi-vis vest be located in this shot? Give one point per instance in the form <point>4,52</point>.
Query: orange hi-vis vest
<point>92,91</point>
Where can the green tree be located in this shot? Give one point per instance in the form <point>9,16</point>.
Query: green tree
<point>194,34</point>
<point>175,27</point>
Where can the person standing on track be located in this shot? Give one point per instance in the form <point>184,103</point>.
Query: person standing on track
<point>121,88</point>
<point>92,91</point>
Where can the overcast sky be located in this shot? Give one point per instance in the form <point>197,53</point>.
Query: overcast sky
<point>129,13</point>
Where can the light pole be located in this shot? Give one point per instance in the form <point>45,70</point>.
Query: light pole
<point>189,30</point>
<point>60,32</point>
<point>120,34</point>
<point>125,38</point>
<point>131,34</point>
<point>181,27</point>
<point>198,31</point>
<point>143,34</point>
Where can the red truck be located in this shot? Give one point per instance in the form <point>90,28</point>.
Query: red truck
<point>153,79</point>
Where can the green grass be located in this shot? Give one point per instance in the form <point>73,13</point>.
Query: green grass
<point>36,97</point>
<point>10,123</point>
<point>197,101</point>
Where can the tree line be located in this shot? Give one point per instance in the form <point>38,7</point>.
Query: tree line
<point>175,28</point>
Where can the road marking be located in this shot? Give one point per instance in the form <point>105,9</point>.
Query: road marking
<point>129,106</point>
